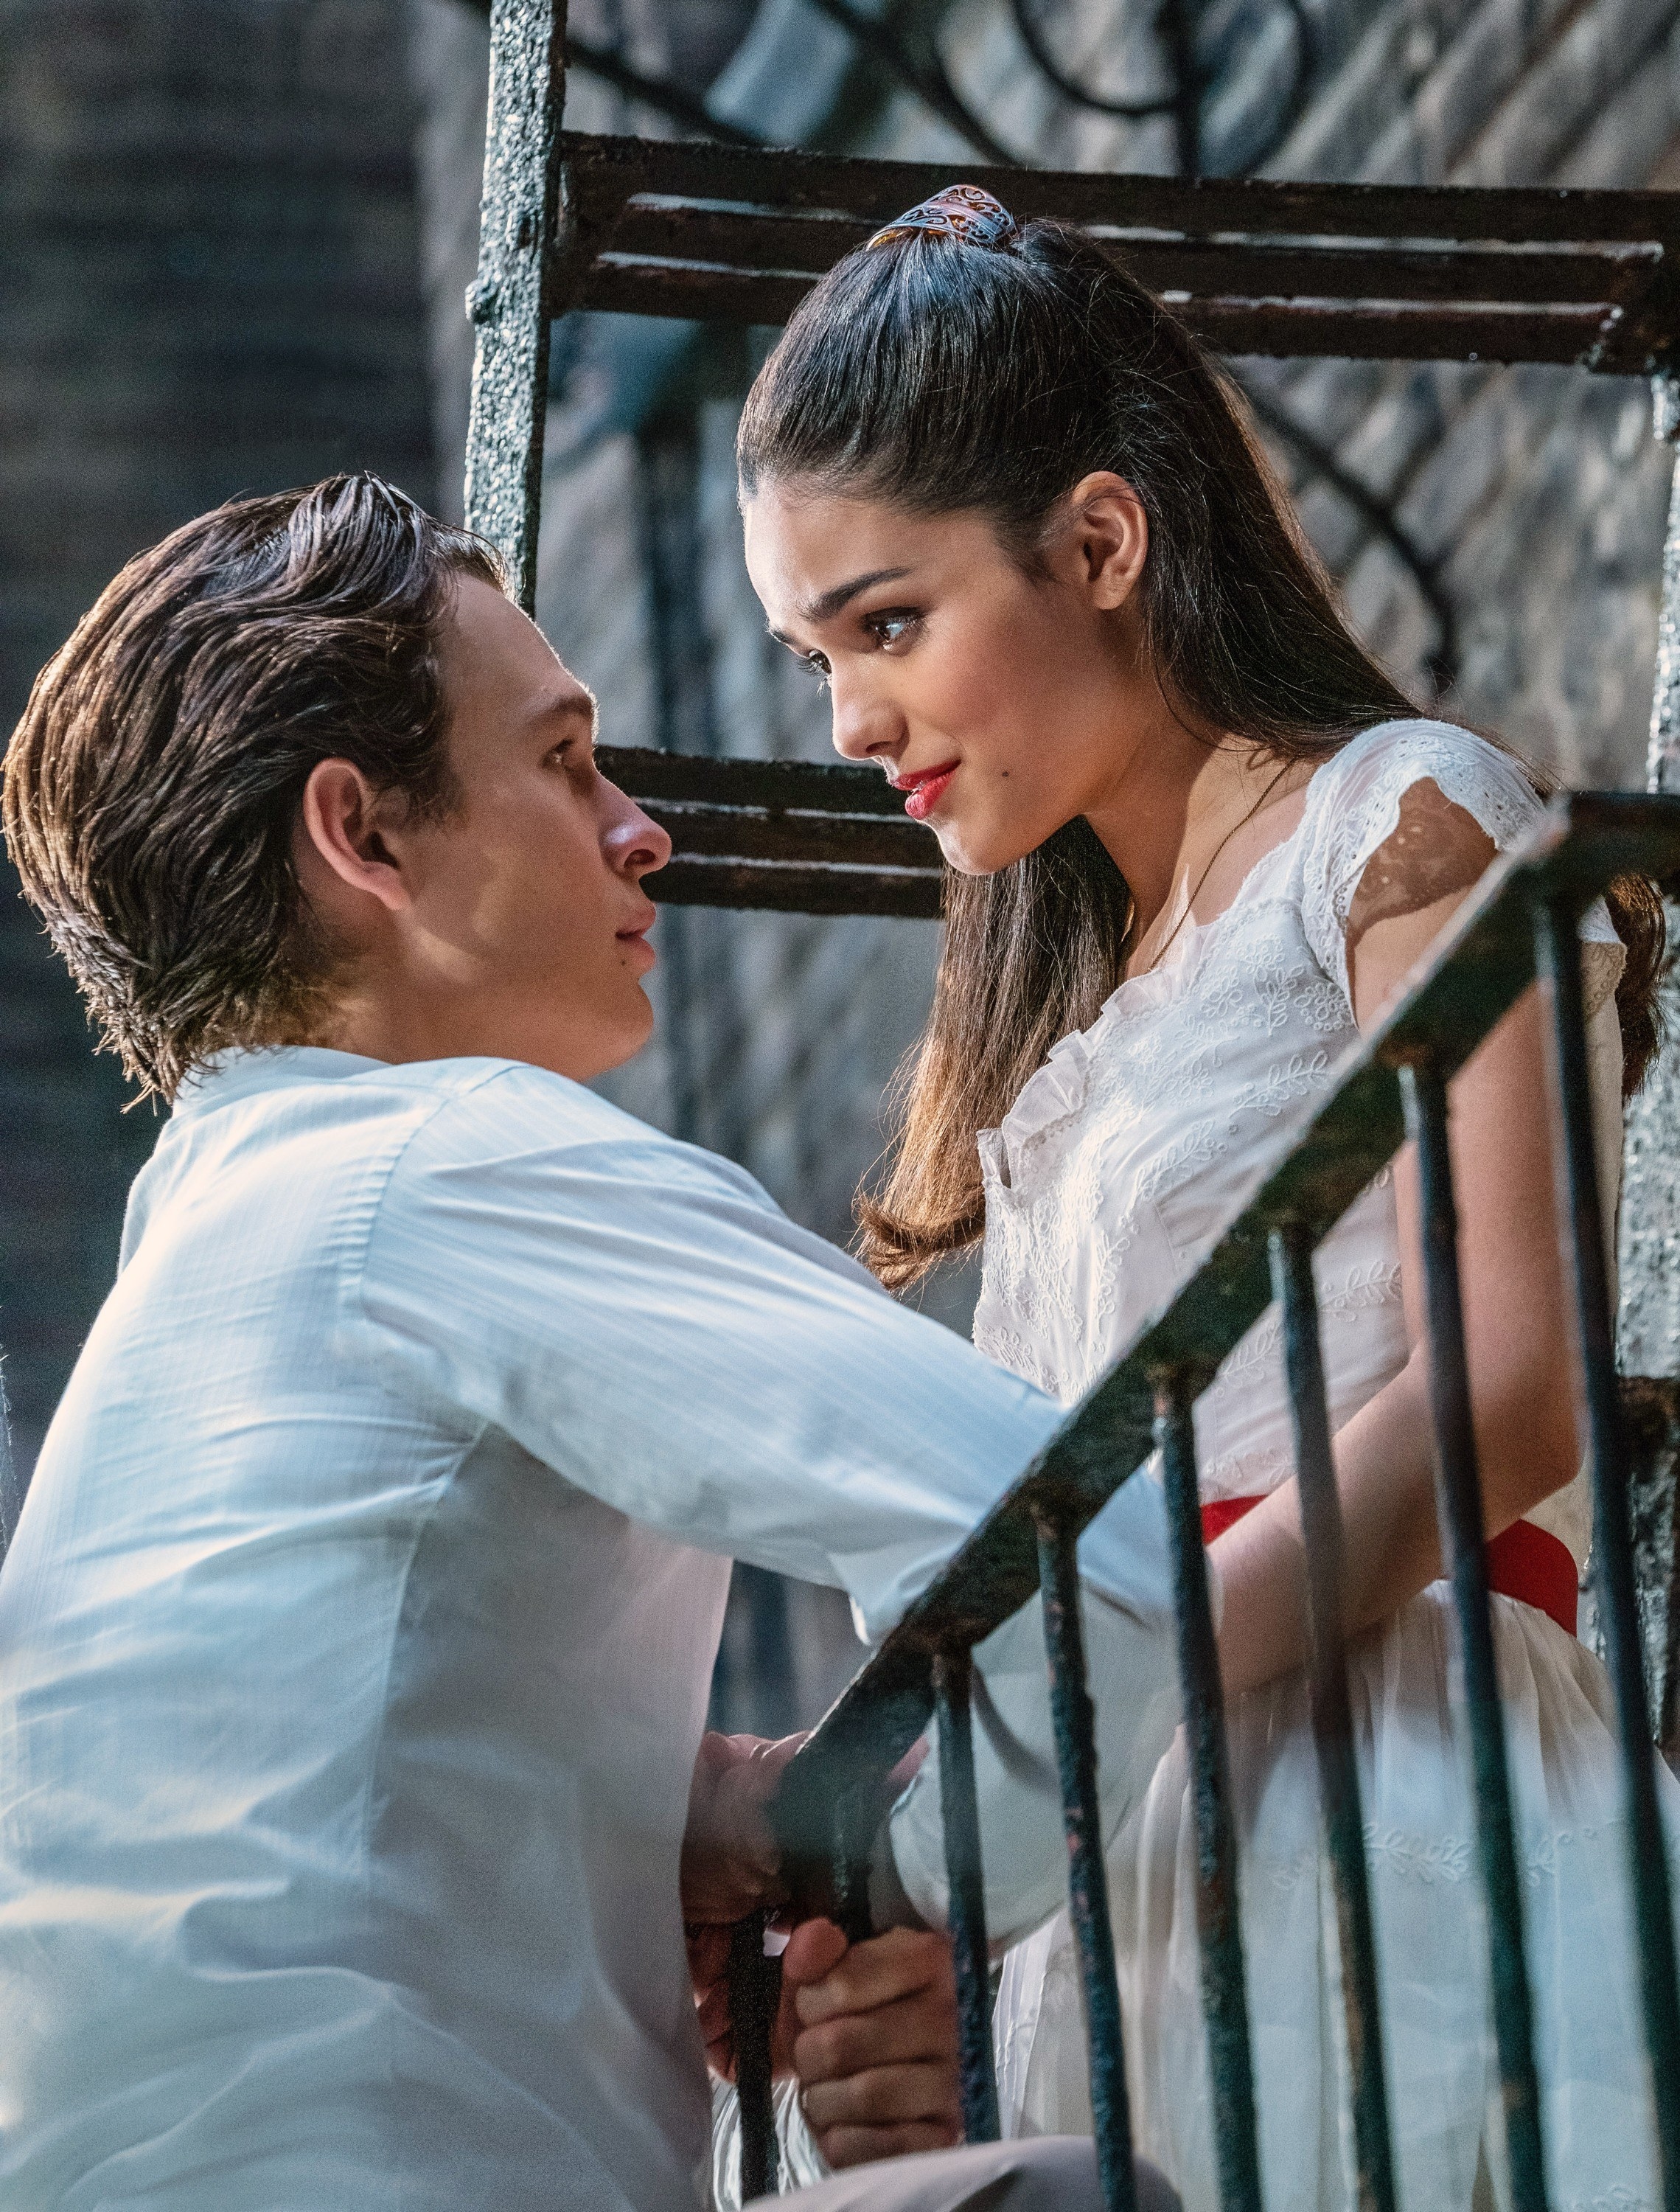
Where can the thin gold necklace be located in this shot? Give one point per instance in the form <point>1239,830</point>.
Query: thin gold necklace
<point>1241,823</point>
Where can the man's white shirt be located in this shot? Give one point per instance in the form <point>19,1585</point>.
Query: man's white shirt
<point>354,1643</point>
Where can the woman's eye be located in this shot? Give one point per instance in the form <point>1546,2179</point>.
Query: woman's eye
<point>893,627</point>
<point>817,663</point>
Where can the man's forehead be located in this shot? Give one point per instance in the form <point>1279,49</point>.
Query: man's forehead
<point>497,664</point>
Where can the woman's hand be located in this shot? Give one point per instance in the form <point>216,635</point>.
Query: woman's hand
<point>875,2044</point>
<point>730,1860</point>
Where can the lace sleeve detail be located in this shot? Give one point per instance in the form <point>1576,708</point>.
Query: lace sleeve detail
<point>1355,810</point>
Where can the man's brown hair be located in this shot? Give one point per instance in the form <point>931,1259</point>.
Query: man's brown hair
<point>152,786</point>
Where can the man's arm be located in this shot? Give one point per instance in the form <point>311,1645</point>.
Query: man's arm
<point>642,1318</point>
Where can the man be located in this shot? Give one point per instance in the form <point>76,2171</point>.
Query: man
<point>355,1637</point>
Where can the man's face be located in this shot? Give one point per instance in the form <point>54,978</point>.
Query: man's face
<point>526,926</point>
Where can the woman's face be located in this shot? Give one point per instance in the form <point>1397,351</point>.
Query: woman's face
<point>1003,705</point>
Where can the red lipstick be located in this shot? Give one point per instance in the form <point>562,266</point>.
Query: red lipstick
<point>926,787</point>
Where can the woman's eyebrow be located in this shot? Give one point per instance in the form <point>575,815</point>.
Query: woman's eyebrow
<point>828,604</point>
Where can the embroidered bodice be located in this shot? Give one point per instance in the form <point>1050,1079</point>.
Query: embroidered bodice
<point>1140,1138</point>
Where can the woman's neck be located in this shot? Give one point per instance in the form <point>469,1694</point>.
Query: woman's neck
<point>1183,824</point>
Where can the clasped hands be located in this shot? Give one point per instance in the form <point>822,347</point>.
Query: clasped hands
<point>868,2028</point>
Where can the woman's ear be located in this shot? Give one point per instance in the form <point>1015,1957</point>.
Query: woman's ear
<point>1102,539</point>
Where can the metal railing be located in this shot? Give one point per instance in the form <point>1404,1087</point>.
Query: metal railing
<point>1519,924</point>
<point>1361,271</point>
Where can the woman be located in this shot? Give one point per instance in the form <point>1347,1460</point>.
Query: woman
<point>999,500</point>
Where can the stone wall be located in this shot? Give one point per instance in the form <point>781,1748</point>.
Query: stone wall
<point>209,252</point>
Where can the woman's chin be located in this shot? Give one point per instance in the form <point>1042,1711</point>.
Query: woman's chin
<point>973,855</point>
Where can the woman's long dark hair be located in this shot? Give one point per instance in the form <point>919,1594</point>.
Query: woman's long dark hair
<point>947,377</point>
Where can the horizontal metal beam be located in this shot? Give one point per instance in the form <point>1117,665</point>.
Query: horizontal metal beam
<point>770,238</point>
<point>903,894</point>
<point>1570,336</point>
<point>794,837</point>
<point>1253,265</point>
<point>619,168</point>
<point>811,786</point>
<point>1481,966</point>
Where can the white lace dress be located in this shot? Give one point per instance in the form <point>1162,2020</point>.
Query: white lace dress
<point>1105,1185</point>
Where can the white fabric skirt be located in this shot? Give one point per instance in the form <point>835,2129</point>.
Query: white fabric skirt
<point>1431,1937</point>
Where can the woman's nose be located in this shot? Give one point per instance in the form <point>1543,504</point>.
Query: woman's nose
<point>864,728</point>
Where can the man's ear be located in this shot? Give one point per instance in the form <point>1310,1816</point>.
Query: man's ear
<point>343,837</point>
<point>1102,538</point>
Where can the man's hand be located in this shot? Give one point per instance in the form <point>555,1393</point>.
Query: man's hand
<point>875,2046</point>
<point>730,1858</point>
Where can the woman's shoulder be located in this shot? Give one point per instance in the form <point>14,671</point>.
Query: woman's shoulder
<point>1355,798</point>
<point>1354,804</point>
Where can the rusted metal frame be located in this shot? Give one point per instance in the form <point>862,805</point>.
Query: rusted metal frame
<point>795,836</point>
<point>1482,965</point>
<point>1218,1917</point>
<point>852,1831</point>
<point>1073,1725</point>
<point>1630,330</point>
<point>1463,1534</point>
<point>1651,1422</point>
<point>959,1810</point>
<point>1582,1226</point>
<point>869,189</point>
<point>765,239</point>
<point>657,93</point>
<point>1663,753</point>
<point>753,833</point>
<point>777,887</point>
<point>1566,336</point>
<point>1648,1317</point>
<point>520,260</point>
<point>813,787</point>
<point>754,1995</point>
<point>1332,1716</point>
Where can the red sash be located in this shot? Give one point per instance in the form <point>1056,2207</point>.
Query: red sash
<point>1524,1562</point>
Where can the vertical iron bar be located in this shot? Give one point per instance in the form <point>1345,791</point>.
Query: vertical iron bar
<point>1332,1715</point>
<point>1662,760</point>
<point>1224,1998</point>
<point>1073,1723</point>
<point>510,299</point>
<point>1648,1317</point>
<point>1177,26</point>
<point>1459,1507</point>
<point>960,1813</point>
<point>851,1870</point>
<point>755,1993</point>
<point>1558,957</point>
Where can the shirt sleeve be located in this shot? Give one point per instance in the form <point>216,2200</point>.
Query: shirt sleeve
<point>642,1318</point>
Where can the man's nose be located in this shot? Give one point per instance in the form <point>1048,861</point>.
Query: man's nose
<point>634,844</point>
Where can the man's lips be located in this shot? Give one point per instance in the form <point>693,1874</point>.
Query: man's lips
<point>925,787</point>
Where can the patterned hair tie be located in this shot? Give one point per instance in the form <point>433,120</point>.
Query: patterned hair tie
<point>960,211</point>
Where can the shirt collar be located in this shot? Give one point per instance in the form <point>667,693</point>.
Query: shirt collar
<point>244,1074</point>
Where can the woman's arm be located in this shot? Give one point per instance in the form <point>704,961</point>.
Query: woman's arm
<point>1521,1360</point>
